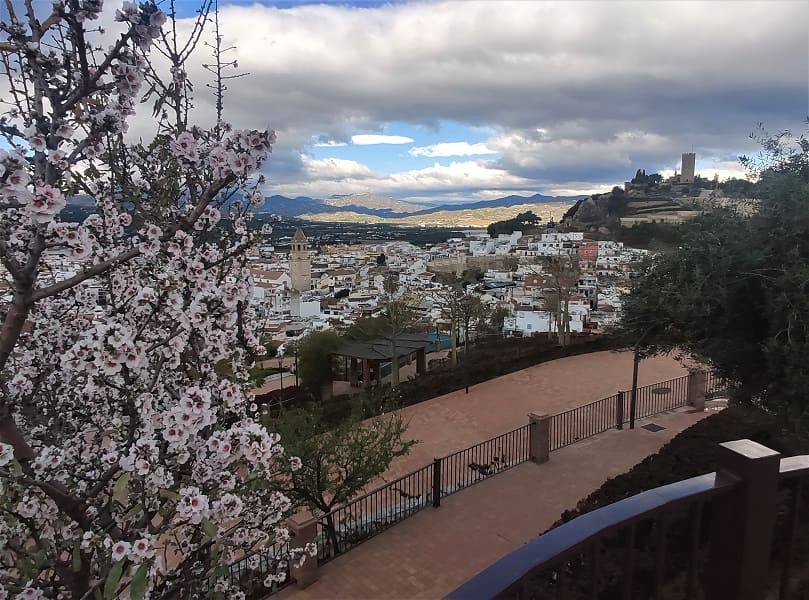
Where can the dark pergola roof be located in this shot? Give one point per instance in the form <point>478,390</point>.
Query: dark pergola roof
<point>380,348</point>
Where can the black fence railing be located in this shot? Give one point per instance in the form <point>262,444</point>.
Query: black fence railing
<point>248,574</point>
<point>661,397</point>
<point>467,467</point>
<point>715,385</point>
<point>585,421</point>
<point>349,525</point>
<point>361,519</point>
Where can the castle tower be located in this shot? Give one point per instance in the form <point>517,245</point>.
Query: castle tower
<point>300,266</point>
<point>687,171</point>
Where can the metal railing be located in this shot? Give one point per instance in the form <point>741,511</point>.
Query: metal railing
<point>349,525</point>
<point>715,385</point>
<point>585,421</point>
<point>697,538</point>
<point>361,519</point>
<point>661,397</point>
<point>471,465</point>
<point>248,574</point>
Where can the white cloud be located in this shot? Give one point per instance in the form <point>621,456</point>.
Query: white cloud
<point>370,139</point>
<point>335,169</point>
<point>573,106</point>
<point>330,144</point>
<point>451,149</point>
<point>467,179</point>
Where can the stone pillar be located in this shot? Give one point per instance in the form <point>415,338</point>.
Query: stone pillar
<point>352,372</point>
<point>540,437</point>
<point>696,389</point>
<point>742,521</point>
<point>303,529</point>
<point>421,361</point>
<point>366,373</point>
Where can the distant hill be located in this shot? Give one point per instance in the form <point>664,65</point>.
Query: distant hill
<point>372,202</point>
<point>373,208</point>
<point>372,205</point>
<point>459,217</point>
<point>505,202</point>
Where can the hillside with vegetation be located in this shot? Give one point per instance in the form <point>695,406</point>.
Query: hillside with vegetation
<point>732,293</point>
<point>646,212</point>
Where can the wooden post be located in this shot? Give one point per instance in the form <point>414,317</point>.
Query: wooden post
<point>540,437</point>
<point>742,522</point>
<point>366,373</point>
<point>303,530</point>
<point>421,361</point>
<point>696,389</point>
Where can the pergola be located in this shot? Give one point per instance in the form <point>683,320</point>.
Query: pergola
<point>370,355</point>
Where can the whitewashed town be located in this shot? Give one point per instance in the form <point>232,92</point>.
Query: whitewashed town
<point>304,290</point>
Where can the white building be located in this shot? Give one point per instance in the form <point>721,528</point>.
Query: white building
<point>529,322</point>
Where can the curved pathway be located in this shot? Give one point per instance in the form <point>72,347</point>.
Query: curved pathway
<point>431,553</point>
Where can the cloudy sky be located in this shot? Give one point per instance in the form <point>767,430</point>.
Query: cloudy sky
<point>469,100</point>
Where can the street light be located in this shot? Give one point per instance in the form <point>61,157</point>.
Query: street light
<point>633,396</point>
<point>281,371</point>
<point>466,303</point>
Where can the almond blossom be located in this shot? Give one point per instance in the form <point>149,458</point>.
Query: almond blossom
<point>121,441</point>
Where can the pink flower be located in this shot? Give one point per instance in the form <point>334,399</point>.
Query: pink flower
<point>46,203</point>
<point>37,143</point>
<point>18,180</point>
<point>142,548</point>
<point>6,454</point>
<point>30,593</point>
<point>120,550</point>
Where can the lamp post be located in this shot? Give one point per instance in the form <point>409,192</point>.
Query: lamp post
<point>281,367</point>
<point>633,396</point>
<point>466,303</point>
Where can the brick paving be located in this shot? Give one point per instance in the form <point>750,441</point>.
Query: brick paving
<point>458,420</point>
<point>436,550</point>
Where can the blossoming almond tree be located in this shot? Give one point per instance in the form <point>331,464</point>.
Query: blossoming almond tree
<point>126,461</point>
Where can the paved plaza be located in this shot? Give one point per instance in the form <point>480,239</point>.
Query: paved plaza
<point>433,552</point>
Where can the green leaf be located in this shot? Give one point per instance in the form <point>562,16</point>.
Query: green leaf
<point>134,511</point>
<point>138,586</point>
<point>77,556</point>
<point>169,494</point>
<point>111,584</point>
<point>26,566</point>
<point>209,528</point>
<point>16,468</point>
<point>97,594</point>
<point>121,490</point>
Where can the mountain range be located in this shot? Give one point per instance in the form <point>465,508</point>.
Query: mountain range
<point>389,208</point>
<point>372,208</point>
